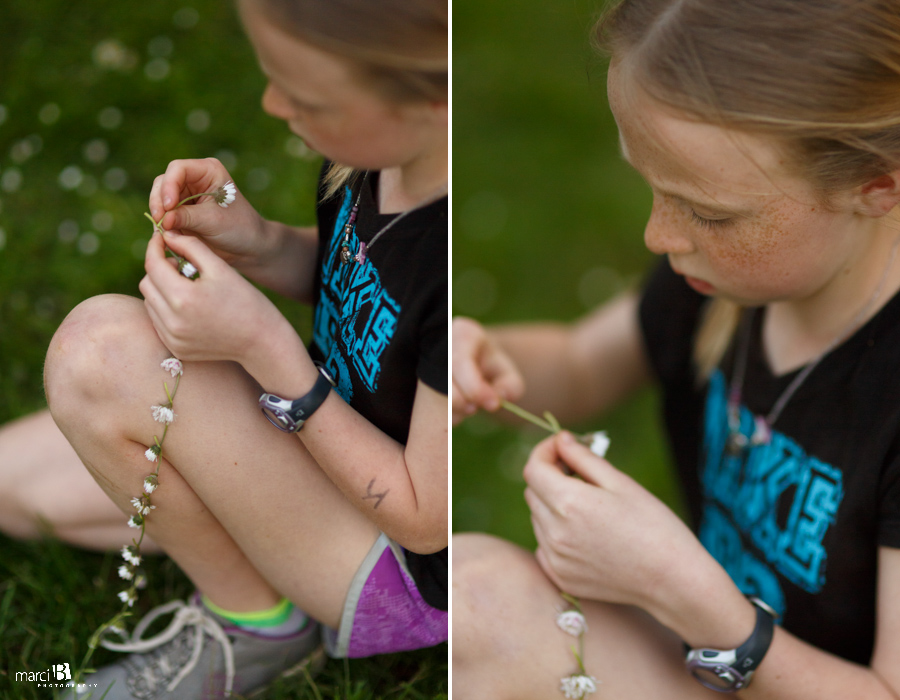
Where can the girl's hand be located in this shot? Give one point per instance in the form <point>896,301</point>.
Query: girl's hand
<point>235,234</point>
<point>220,316</point>
<point>483,374</point>
<point>606,537</point>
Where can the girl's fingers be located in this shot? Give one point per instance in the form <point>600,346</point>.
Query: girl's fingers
<point>593,469</point>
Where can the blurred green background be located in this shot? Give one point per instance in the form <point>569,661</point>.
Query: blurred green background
<point>95,99</point>
<point>547,224</point>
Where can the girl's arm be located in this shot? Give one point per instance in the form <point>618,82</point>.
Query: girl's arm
<point>572,370</point>
<point>604,537</point>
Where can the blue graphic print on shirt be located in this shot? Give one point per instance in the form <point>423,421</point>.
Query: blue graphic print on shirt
<point>355,317</point>
<point>775,496</point>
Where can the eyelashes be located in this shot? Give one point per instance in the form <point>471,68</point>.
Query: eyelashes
<point>703,222</point>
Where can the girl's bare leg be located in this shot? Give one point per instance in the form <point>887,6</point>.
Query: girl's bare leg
<point>242,508</point>
<point>45,490</point>
<point>506,644</point>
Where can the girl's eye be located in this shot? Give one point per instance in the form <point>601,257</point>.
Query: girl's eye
<point>708,223</point>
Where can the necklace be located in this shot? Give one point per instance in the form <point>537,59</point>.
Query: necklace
<point>762,425</point>
<point>364,248</point>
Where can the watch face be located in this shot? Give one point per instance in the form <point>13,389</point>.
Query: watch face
<point>278,418</point>
<point>717,677</point>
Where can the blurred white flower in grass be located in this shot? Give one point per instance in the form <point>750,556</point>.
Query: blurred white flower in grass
<point>23,149</point>
<point>70,177</point>
<point>68,230</point>
<point>115,179</point>
<point>49,113</point>
<point>102,220</point>
<point>95,151</point>
<point>186,18</point>
<point>110,118</point>
<point>11,180</point>
<point>128,597</point>
<point>126,572</point>
<point>160,47</point>
<point>157,69</point>
<point>112,54</point>
<point>198,120</point>
<point>88,243</point>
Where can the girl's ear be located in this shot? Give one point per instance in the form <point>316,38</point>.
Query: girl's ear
<point>880,195</point>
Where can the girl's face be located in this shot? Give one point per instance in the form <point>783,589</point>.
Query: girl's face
<point>323,102</point>
<point>726,211</point>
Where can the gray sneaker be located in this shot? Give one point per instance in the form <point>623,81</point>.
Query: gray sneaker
<point>198,656</point>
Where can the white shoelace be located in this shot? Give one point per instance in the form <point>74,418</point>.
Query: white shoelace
<point>186,615</point>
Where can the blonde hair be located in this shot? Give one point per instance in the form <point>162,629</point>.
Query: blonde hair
<point>819,77</point>
<point>398,48</point>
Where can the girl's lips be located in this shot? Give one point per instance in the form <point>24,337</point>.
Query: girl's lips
<point>699,285</point>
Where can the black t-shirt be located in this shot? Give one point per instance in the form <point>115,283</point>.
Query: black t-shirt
<point>798,521</point>
<point>381,326</point>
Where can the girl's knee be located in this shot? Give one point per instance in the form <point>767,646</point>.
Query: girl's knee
<point>91,349</point>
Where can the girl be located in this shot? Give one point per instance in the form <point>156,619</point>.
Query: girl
<point>769,133</point>
<point>347,519</point>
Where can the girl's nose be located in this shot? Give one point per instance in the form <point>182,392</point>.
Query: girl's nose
<point>665,233</point>
<point>276,104</point>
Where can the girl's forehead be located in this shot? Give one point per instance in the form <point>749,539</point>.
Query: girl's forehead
<point>672,150</point>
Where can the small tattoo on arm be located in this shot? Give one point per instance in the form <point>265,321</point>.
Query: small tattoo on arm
<point>379,497</point>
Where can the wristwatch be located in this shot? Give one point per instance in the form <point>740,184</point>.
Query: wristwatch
<point>732,669</point>
<point>290,416</point>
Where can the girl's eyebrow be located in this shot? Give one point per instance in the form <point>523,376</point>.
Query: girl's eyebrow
<point>710,205</point>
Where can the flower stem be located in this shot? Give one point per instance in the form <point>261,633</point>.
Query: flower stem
<point>548,423</point>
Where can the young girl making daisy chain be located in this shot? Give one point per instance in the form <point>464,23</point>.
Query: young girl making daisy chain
<point>344,523</point>
<point>769,132</point>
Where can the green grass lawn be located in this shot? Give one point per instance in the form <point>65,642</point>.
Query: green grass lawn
<point>548,223</point>
<point>96,99</point>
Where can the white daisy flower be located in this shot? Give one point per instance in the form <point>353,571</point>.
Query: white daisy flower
<point>151,483</point>
<point>599,443</point>
<point>163,414</point>
<point>173,365</point>
<point>135,521</point>
<point>152,453</point>
<point>188,270</point>
<point>126,572</point>
<point>577,686</point>
<point>572,622</point>
<point>141,506</point>
<point>129,555</point>
<point>128,597</point>
<point>226,194</point>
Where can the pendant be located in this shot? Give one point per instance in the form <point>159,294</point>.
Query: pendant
<point>360,257</point>
<point>762,433</point>
<point>345,254</point>
<point>736,443</point>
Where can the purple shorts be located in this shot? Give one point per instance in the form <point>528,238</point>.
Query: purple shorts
<point>384,611</point>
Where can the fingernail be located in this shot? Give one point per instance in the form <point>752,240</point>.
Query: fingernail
<point>167,202</point>
<point>566,436</point>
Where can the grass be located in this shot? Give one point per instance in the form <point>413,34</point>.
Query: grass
<point>97,98</point>
<point>548,224</point>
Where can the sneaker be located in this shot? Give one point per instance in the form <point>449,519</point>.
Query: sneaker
<point>198,656</point>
